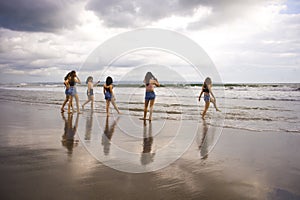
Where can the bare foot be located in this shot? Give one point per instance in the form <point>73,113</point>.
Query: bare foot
<point>62,110</point>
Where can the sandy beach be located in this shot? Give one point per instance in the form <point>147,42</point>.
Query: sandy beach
<point>37,164</point>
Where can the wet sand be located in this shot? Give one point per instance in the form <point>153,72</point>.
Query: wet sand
<point>36,163</point>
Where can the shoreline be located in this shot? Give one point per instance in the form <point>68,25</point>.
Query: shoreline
<point>36,165</point>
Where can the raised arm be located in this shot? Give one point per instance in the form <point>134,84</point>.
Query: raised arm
<point>77,80</point>
<point>96,83</point>
<point>157,83</point>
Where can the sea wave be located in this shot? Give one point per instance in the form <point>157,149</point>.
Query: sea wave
<point>258,109</point>
<point>262,98</point>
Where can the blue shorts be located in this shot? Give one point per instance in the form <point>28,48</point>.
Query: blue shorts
<point>72,91</point>
<point>107,96</point>
<point>149,96</point>
<point>206,98</point>
<point>67,92</point>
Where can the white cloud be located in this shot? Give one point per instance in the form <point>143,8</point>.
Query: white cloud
<point>239,36</point>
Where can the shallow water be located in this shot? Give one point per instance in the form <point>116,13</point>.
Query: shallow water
<point>255,107</point>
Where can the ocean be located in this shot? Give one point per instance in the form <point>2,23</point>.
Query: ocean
<point>253,107</point>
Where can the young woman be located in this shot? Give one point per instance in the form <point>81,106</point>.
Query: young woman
<point>109,95</point>
<point>90,92</point>
<point>72,91</point>
<point>150,81</point>
<point>208,96</point>
<point>68,96</point>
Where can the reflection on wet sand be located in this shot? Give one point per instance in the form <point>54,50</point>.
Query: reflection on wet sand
<point>107,135</point>
<point>146,156</point>
<point>203,144</point>
<point>68,140</point>
<point>88,126</point>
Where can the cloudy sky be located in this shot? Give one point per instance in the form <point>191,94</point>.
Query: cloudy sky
<point>248,41</point>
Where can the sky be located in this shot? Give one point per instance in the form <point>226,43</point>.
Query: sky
<point>249,41</point>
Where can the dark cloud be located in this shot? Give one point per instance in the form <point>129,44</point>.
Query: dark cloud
<point>122,13</point>
<point>37,15</point>
<point>134,13</point>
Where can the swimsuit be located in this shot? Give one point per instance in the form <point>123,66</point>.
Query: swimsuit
<point>91,92</point>
<point>107,94</point>
<point>206,94</point>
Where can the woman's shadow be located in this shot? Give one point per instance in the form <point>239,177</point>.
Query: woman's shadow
<point>68,140</point>
<point>147,156</point>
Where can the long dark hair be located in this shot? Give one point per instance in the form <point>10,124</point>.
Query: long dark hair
<point>109,81</point>
<point>73,75</point>
<point>67,76</point>
<point>148,77</point>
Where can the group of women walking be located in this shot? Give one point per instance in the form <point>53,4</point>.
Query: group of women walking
<point>150,81</point>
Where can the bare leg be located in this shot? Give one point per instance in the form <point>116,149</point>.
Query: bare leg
<point>63,105</point>
<point>92,102</point>
<point>115,105</point>
<point>77,103</point>
<point>107,107</point>
<point>205,109</point>
<point>215,105</point>
<point>151,109</point>
<point>85,103</point>
<point>70,104</point>
<point>146,108</point>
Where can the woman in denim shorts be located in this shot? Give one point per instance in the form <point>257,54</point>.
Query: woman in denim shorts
<point>150,81</point>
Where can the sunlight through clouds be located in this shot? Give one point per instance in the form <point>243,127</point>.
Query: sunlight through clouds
<point>235,34</point>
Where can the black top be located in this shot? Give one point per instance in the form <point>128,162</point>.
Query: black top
<point>205,89</point>
<point>72,83</point>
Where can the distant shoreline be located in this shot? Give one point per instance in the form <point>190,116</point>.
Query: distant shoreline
<point>163,84</point>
